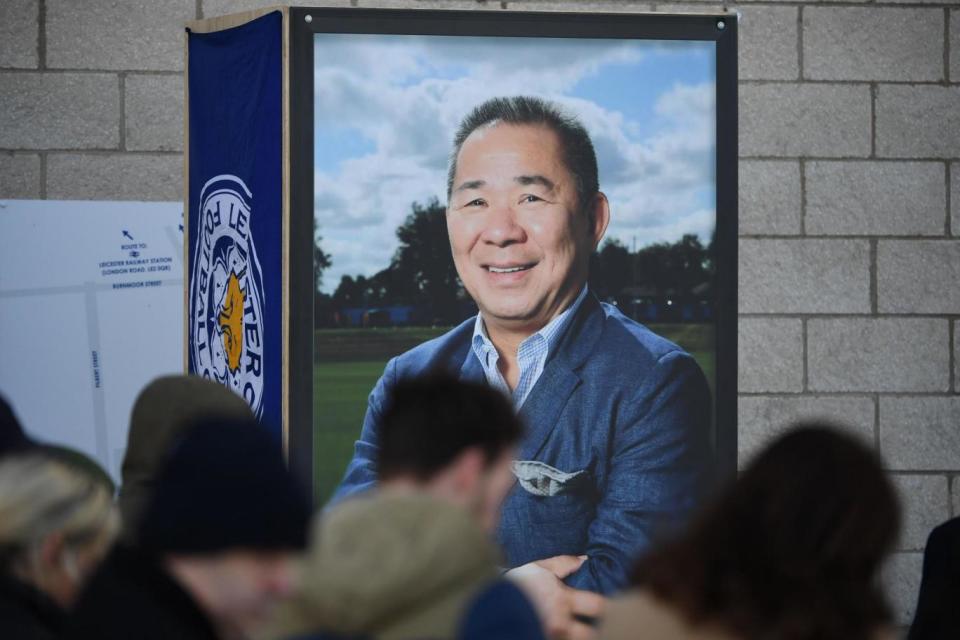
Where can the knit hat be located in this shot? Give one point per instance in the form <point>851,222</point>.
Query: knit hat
<point>225,486</point>
<point>163,411</point>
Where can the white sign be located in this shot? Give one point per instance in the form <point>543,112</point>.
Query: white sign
<point>91,310</point>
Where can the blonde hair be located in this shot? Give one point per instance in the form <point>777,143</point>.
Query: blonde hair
<point>40,496</point>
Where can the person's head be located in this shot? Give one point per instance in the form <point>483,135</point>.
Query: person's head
<point>451,438</point>
<point>162,412</point>
<point>226,518</point>
<point>12,437</point>
<point>792,549</point>
<point>524,210</point>
<point>56,524</point>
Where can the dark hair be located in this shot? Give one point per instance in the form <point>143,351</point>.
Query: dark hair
<point>578,153</point>
<point>792,549</point>
<point>429,421</point>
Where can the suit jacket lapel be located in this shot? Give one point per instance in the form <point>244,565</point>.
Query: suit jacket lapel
<point>560,376</point>
<point>472,370</point>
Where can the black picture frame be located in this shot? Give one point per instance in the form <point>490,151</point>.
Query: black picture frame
<point>305,23</point>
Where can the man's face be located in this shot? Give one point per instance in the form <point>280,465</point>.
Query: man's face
<point>243,586</point>
<point>520,242</point>
<point>495,482</point>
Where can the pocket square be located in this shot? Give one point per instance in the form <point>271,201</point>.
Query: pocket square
<point>541,479</point>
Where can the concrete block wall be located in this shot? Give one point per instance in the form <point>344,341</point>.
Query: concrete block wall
<point>849,196</point>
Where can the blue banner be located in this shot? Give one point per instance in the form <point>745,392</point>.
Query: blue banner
<point>235,241</point>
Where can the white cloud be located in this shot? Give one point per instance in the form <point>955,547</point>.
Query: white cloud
<point>406,98</point>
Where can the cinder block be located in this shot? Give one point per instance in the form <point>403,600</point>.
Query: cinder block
<point>901,580</point>
<point>115,176</point>
<point>770,355</point>
<point>770,200</point>
<point>805,120</point>
<point>920,433</point>
<point>876,198</point>
<point>854,43</point>
<point>596,6</point>
<point>696,6</point>
<point>216,8</point>
<point>154,113</point>
<point>761,419</point>
<point>59,111</point>
<point>19,176</point>
<point>767,46</point>
<point>100,34</point>
<point>956,361</point>
<point>925,503</point>
<point>918,121</point>
<point>804,276</point>
<point>878,354</point>
<point>918,276</point>
<point>19,33</point>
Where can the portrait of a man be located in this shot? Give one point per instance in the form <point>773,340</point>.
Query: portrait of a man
<point>538,215</point>
<point>618,418</point>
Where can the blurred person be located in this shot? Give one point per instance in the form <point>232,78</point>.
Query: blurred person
<point>214,545</point>
<point>415,558</point>
<point>56,524</point>
<point>14,440</point>
<point>12,437</point>
<point>938,605</point>
<point>790,551</point>
<point>162,413</point>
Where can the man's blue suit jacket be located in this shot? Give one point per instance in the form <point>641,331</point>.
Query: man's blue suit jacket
<point>622,412</point>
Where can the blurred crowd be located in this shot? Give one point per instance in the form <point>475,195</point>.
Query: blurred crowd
<point>209,536</point>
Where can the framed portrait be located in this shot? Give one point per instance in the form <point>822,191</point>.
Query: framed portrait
<point>377,97</point>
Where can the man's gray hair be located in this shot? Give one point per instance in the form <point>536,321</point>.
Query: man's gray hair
<point>577,149</point>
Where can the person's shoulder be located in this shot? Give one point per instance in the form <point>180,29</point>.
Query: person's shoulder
<point>627,337</point>
<point>444,351</point>
<point>642,610</point>
<point>154,606</point>
<point>945,538</point>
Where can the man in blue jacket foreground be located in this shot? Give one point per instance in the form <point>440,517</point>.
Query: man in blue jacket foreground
<point>617,445</point>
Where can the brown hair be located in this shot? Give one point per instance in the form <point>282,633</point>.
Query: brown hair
<point>792,549</point>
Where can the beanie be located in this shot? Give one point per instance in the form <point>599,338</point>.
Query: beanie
<point>225,486</point>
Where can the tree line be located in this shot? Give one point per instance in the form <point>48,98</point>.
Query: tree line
<point>421,273</point>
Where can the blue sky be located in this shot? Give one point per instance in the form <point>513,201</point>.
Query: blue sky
<point>387,108</point>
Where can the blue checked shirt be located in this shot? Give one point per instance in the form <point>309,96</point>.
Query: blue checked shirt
<point>531,354</point>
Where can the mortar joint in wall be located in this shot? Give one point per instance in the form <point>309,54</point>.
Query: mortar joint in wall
<point>43,175</point>
<point>873,119</point>
<point>805,377</point>
<point>951,331</point>
<point>946,46</point>
<point>800,74</point>
<point>803,197</point>
<point>41,34</point>
<point>122,82</point>
<point>873,277</point>
<point>948,224</point>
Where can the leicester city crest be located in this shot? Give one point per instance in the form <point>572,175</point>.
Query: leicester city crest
<point>226,292</point>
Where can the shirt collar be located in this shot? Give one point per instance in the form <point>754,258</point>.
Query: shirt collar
<point>551,332</point>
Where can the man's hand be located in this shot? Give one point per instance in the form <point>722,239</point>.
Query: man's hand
<point>557,604</point>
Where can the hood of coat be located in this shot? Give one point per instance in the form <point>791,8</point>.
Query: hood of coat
<point>391,566</point>
<point>163,412</point>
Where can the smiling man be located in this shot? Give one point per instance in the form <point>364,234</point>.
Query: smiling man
<point>618,419</point>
